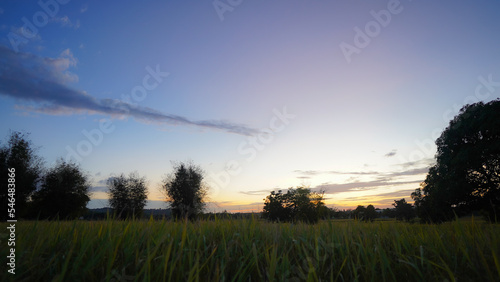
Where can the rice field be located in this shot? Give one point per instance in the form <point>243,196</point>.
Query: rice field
<point>253,250</point>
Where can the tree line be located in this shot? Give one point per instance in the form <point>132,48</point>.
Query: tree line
<point>464,179</point>
<point>63,191</point>
<point>303,204</point>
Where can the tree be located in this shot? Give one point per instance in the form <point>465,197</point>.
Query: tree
<point>127,195</point>
<point>277,207</point>
<point>359,212</point>
<point>64,192</point>
<point>403,210</point>
<point>365,213</point>
<point>19,154</point>
<point>466,176</point>
<point>370,213</point>
<point>300,204</point>
<point>390,213</point>
<point>185,191</point>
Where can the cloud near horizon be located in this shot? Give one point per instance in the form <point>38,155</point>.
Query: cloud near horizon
<point>42,83</point>
<point>381,179</point>
<point>415,171</point>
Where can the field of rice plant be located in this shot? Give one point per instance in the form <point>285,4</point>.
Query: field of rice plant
<point>253,250</point>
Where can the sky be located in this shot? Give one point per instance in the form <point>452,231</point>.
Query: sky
<point>345,97</point>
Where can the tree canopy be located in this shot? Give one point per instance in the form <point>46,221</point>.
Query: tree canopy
<point>403,210</point>
<point>127,195</point>
<point>20,154</point>
<point>64,193</point>
<point>466,176</point>
<point>185,190</point>
<point>365,213</point>
<point>300,204</point>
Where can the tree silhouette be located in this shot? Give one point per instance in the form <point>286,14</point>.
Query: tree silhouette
<point>127,195</point>
<point>370,213</point>
<point>403,210</point>
<point>365,214</point>
<point>185,191</point>
<point>359,212</point>
<point>64,193</point>
<point>19,153</point>
<point>300,204</point>
<point>278,207</point>
<point>466,176</point>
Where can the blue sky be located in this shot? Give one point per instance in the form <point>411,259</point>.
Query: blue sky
<point>344,96</point>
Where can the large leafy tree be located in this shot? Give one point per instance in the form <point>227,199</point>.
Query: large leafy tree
<point>466,176</point>
<point>64,192</point>
<point>300,204</point>
<point>19,153</point>
<point>185,190</point>
<point>127,195</point>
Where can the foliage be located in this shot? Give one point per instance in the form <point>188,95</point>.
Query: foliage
<point>185,191</point>
<point>254,250</point>
<point>64,193</point>
<point>466,176</point>
<point>370,213</point>
<point>19,153</point>
<point>365,214</point>
<point>127,196</point>
<point>389,213</point>
<point>403,210</point>
<point>359,212</point>
<point>296,205</point>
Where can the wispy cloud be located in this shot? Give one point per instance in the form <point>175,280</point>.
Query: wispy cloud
<point>319,172</point>
<point>360,185</point>
<point>407,172</point>
<point>64,21</point>
<point>423,162</point>
<point>378,179</point>
<point>415,171</point>
<point>303,177</point>
<point>381,199</point>
<point>334,188</point>
<point>391,153</point>
<point>84,8</point>
<point>259,192</point>
<point>41,83</point>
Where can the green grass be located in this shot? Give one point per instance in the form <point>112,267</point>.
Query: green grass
<point>244,250</point>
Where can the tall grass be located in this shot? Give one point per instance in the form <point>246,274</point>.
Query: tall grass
<point>244,250</point>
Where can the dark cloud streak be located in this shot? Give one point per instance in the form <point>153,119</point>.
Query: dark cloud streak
<point>42,82</point>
